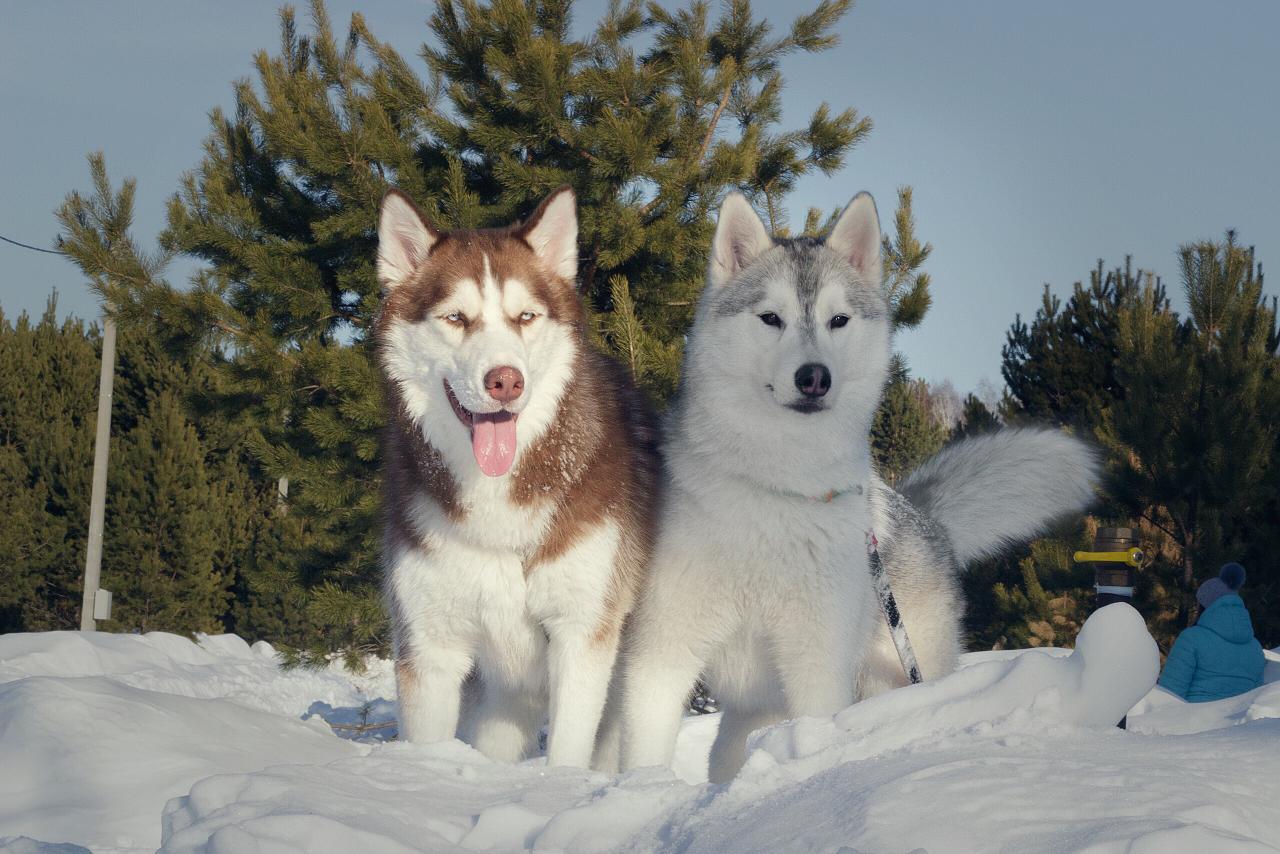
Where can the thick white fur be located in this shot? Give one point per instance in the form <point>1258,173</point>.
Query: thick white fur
<point>756,582</point>
<point>462,599</point>
<point>531,640</point>
<point>996,490</point>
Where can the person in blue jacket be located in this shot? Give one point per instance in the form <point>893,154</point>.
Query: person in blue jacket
<point>1218,657</point>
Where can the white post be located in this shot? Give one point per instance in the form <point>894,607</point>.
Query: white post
<point>282,485</point>
<point>98,498</point>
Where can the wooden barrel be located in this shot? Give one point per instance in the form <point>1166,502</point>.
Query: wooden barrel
<point>1113,581</point>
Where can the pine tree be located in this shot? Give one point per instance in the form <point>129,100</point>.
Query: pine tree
<point>1194,437</point>
<point>975,419</point>
<point>1163,395</point>
<point>1059,369</point>
<point>906,285</point>
<point>1062,367</point>
<point>159,547</point>
<point>651,118</point>
<point>188,509</point>
<point>242,523</point>
<point>267,601</point>
<point>1256,541</point>
<point>904,432</point>
<point>47,405</point>
<point>1037,598</point>
<point>159,481</point>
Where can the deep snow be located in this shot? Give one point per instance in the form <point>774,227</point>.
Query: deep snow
<point>127,743</point>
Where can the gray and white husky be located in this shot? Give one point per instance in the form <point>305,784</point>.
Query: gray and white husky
<point>759,578</point>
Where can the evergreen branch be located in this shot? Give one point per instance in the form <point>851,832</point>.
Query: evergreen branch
<point>711,128</point>
<point>1151,519</point>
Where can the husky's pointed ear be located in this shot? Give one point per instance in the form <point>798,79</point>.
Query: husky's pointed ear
<point>856,236</point>
<point>552,233</point>
<point>740,237</point>
<point>404,239</point>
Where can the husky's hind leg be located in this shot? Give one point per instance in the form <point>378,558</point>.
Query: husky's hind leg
<point>743,679</point>
<point>503,725</point>
<point>729,750</point>
<point>608,752</point>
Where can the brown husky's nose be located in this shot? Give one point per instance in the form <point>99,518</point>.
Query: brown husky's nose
<point>504,384</point>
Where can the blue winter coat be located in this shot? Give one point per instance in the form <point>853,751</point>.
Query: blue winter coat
<point>1217,657</point>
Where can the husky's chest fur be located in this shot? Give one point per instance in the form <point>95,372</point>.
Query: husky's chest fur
<point>428,502</point>
<point>773,537</point>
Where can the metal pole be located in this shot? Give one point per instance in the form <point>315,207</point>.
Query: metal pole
<point>98,498</point>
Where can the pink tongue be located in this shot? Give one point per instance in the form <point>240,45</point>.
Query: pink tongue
<point>493,441</point>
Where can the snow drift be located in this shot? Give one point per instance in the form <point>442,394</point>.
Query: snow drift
<point>127,743</point>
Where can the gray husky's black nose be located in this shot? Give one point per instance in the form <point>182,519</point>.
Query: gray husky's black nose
<point>813,380</point>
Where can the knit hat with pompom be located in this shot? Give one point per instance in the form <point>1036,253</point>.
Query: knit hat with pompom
<point>1230,579</point>
<point>1232,575</point>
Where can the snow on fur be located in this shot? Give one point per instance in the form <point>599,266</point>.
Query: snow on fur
<point>1003,488</point>
<point>126,743</point>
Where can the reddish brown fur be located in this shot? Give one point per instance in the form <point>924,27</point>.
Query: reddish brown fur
<point>406,675</point>
<point>460,255</point>
<point>603,436</point>
<point>412,466</point>
<point>608,443</point>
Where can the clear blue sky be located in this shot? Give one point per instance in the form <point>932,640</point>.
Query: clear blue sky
<point>1039,136</point>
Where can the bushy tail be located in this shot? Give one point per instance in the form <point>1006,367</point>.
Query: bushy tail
<point>993,491</point>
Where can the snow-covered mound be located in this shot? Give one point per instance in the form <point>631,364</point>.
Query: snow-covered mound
<point>219,666</point>
<point>97,731</point>
<point>126,743</point>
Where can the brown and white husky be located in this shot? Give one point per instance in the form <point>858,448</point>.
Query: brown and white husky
<point>520,470</point>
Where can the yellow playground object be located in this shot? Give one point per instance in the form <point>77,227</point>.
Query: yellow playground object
<point>1130,557</point>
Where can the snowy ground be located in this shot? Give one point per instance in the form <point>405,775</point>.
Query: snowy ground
<point>129,743</point>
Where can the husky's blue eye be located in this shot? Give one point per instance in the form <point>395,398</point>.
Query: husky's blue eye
<point>527,316</point>
<point>771,319</point>
<point>839,320</point>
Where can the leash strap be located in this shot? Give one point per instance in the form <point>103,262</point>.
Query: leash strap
<point>889,606</point>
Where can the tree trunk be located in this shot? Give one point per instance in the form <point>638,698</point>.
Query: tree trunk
<point>1188,581</point>
<point>1189,542</point>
